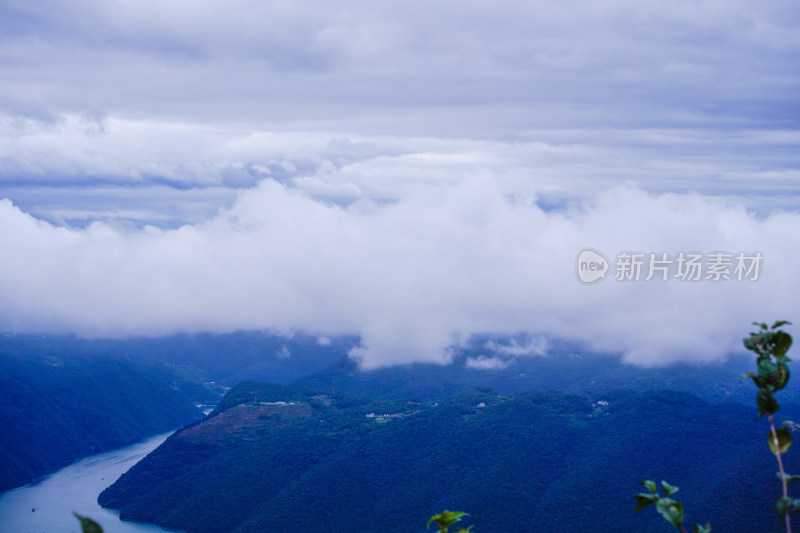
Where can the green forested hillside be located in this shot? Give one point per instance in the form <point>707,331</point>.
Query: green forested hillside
<point>536,461</point>
<point>55,409</point>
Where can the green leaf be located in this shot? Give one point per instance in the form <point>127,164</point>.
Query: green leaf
<point>789,478</point>
<point>88,525</point>
<point>767,404</point>
<point>784,371</point>
<point>752,376</point>
<point>752,342</point>
<point>671,510</point>
<point>446,519</point>
<point>782,342</point>
<point>651,486</point>
<point>780,323</point>
<point>643,500</point>
<point>772,375</point>
<point>669,490</point>
<point>702,529</point>
<point>784,440</point>
<point>451,517</point>
<point>783,505</point>
<point>766,367</point>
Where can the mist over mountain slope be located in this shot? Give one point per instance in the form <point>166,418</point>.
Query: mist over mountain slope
<point>563,370</point>
<point>507,364</point>
<point>224,358</point>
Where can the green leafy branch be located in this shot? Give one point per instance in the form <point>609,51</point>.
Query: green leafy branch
<point>770,345</point>
<point>671,510</point>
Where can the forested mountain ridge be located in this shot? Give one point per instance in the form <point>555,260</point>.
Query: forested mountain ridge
<point>535,461</point>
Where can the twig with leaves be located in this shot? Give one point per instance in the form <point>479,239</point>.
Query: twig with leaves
<point>770,345</point>
<point>670,509</point>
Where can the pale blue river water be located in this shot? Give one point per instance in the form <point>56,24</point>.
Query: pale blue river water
<point>74,488</point>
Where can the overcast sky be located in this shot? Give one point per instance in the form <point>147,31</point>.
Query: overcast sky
<point>413,172</point>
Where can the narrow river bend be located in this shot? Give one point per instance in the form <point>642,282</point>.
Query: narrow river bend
<point>74,488</point>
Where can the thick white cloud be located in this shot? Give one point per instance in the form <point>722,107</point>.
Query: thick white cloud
<point>412,277</point>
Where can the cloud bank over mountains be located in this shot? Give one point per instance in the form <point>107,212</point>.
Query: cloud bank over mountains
<point>413,277</point>
<point>413,172</point>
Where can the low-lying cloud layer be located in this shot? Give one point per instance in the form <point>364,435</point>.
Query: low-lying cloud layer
<point>412,277</point>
